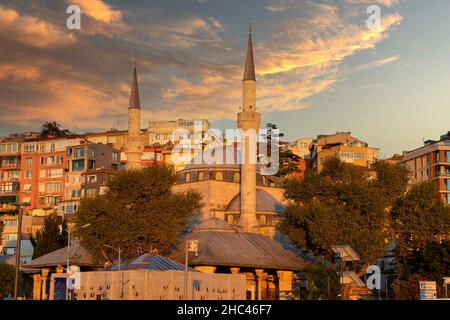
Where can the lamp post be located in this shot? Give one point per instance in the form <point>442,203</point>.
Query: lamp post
<point>69,231</point>
<point>19,238</point>
<point>120,269</point>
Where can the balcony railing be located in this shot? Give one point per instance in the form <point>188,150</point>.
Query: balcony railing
<point>9,165</point>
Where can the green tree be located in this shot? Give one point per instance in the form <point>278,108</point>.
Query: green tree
<point>138,212</point>
<point>288,163</point>
<point>52,237</point>
<point>322,282</point>
<point>53,129</point>
<point>343,204</point>
<point>422,224</point>
<point>7,275</point>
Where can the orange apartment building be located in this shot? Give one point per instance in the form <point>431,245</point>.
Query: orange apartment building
<point>43,171</point>
<point>431,162</point>
<point>343,146</point>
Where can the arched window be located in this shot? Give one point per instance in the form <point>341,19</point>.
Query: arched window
<point>236,177</point>
<point>188,177</point>
<point>201,176</point>
<point>230,219</point>
<point>219,176</point>
<point>262,220</point>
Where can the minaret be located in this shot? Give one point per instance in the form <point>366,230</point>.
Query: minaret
<point>134,142</point>
<point>248,121</point>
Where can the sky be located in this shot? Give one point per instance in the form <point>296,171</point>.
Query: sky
<point>320,69</point>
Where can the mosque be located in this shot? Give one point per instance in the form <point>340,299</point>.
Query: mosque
<point>241,206</point>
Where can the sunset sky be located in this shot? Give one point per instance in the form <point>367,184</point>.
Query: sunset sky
<point>319,68</point>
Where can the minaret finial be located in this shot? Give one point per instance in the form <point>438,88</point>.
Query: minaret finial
<point>249,69</point>
<point>134,94</point>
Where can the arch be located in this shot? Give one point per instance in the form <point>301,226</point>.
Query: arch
<point>237,177</point>
<point>188,177</point>
<point>219,176</point>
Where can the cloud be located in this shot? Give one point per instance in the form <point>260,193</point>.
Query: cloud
<point>188,65</point>
<point>386,3</point>
<point>31,31</point>
<point>98,10</point>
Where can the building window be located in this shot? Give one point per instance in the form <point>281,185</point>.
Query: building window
<point>262,220</point>
<point>188,177</point>
<point>11,223</point>
<point>28,161</point>
<point>115,157</point>
<point>77,165</point>
<point>91,164</point>
<point>201,176</point>
<point>219,176</point>
<point>236,177</point>
<point>437,156</point>
<point>447,156</point>
<point>92,178</point>
<point>91,152</point>
<point>28,174</point>
<point>78,152</point>
<point>230,219</point>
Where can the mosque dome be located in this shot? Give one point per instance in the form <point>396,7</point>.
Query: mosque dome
<point>217,157</point>
<point>264,203</point>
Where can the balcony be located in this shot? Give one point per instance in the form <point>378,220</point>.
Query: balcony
<point>9,165</point>
<point>443,174</point>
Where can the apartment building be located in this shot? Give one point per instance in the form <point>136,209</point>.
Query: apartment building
<point>10,164</point>
<point>431,162</point>
<point>84,163</point>
<point>43,171</point>
<point>343,146</point>
<point>161,132</point>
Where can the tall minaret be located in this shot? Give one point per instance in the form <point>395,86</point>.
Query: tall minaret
<point>134,141</point>
<point>248,121</point>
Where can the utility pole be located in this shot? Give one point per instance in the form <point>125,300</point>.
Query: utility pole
<point>19,238</point>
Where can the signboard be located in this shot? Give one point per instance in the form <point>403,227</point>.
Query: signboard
<point>427,290</point>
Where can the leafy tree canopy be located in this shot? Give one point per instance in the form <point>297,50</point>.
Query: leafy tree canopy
<point>53,129</point>
<point>53,236</point>
<point>322,282</point>
<point>288,163</point>
<point>343,204</point>
<point>139,212</point>
<point>7,275</point>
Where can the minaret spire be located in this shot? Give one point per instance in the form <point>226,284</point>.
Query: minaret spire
<point>249,69</point>
<point>248,121</point>
<point>134,94</point>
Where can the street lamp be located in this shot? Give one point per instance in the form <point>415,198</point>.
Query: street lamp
<point>120,269</point>
<point>19,238</point>
<point>69,231</point>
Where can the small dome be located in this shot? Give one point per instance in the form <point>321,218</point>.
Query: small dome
<point>215,224</point>
<point>228,157</point>
<point>264,203</point>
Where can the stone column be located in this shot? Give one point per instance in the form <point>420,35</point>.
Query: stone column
<point>258,277</point>
<point>284,284</point>
<point>37,287</point>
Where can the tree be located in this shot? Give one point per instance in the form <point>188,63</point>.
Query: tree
<point>322,282</point>
<point>288,163</point>
<point>52,237</point>
<point>422,224</point>
<point>138,213</point>
<point>343,204</point>
<point>53,129</point>
<point>7,276</point>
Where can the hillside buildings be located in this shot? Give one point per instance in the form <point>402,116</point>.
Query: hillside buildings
<point>343,146</point>
<point>431,162</point>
